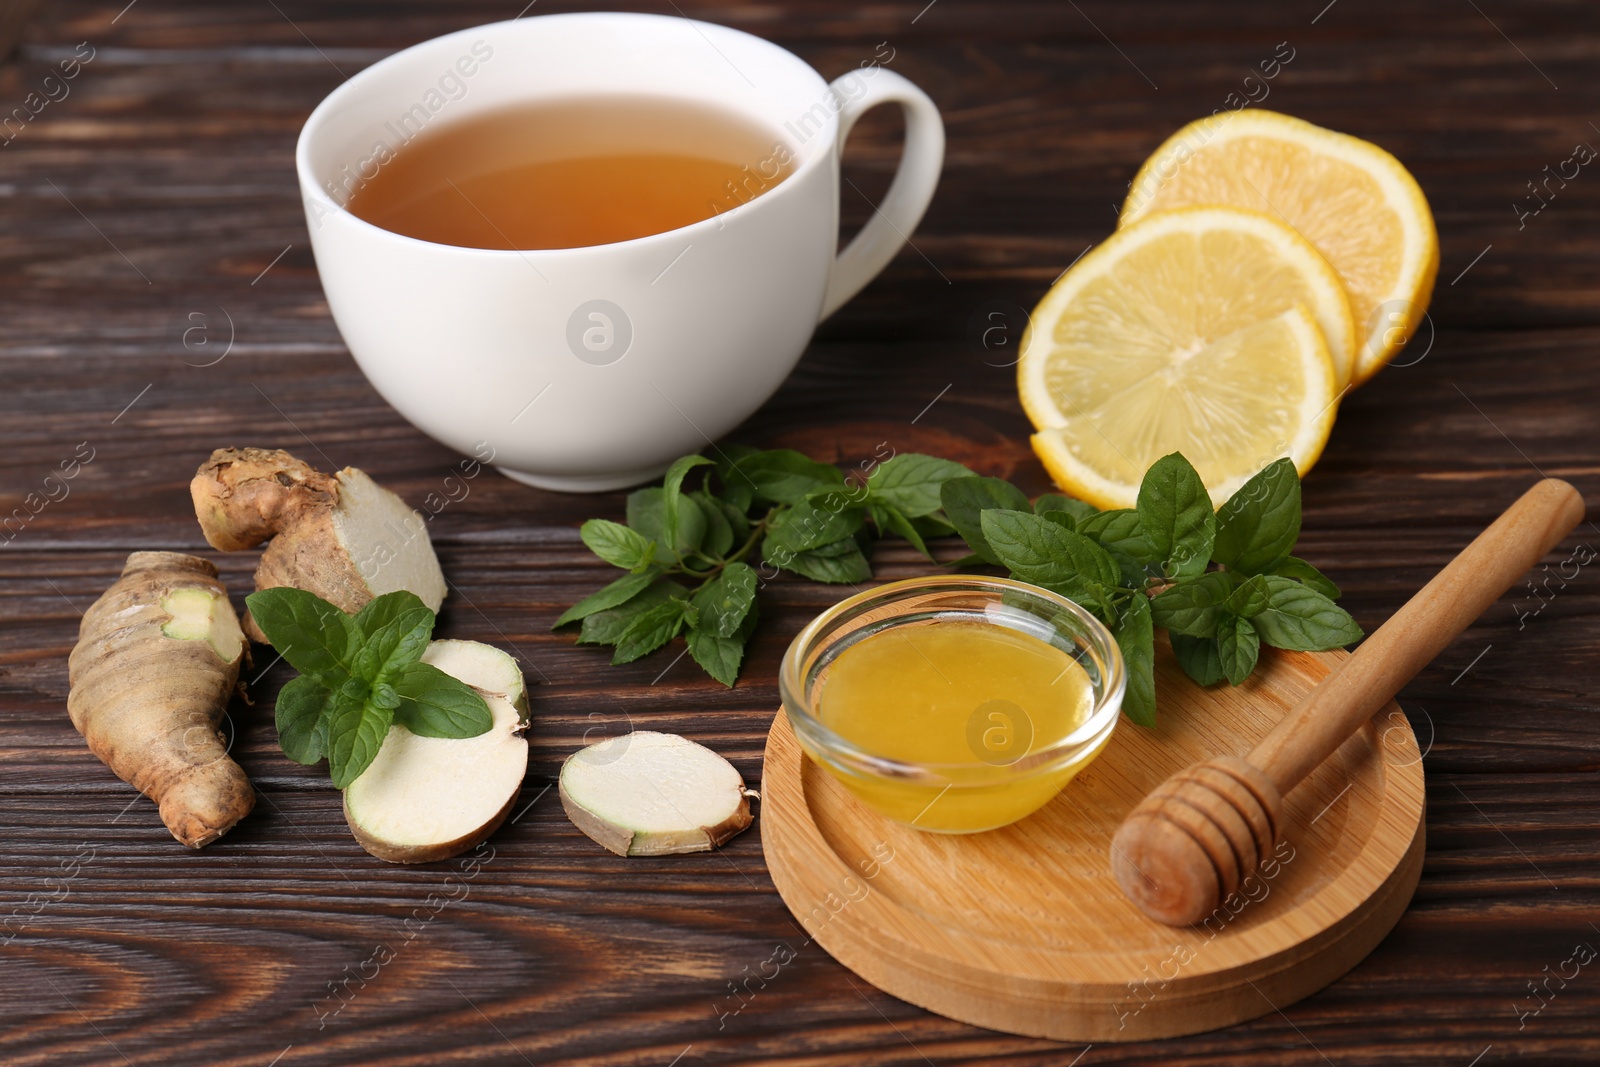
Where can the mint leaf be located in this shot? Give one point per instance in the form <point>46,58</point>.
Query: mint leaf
<point>1134,575</point>
<point>398,642</point>
<point>1303,620</point>
<point>1038,551</point>
<point>718,656</point>
<point>672,481</point>
<point>738,521</point>
<point>719,536</point>
<point>721,656</point>
<point>355,687</point>
<point>1136,638</point>
<point>302,732</point>
<point>1078,509</point>
<point>1199,658</point>
<point>617,544</point>
<point>725,602</point>
<point>1060,518</point>
<point>841,563</point>
<point>897,520</point>
<point>315,637</point>
<point>1118,533</point>
<point>1119,530</point>
<point>1291,567</point>
<point>1176,517</point>
<point>1260,523</point>
<point>783,475</point>
<point>650,629</point>
<point>356,729</point>
<point>736,489</point>
<point>647,514</point>
<point>378,612</point>
<point>965,499</point>
<point>911,482</point>
<point>1237,647</point>
<point>738,498</point>
<point>436,704</point>
<point>834,549</point>
<point>606,627</point>
<point>1250,599</point>
<point>809,525</point>
<point>1191,607</point>
<point>674,500</point>
<point>618,592</point>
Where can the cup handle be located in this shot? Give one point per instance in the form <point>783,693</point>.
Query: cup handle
<point>920,162</point>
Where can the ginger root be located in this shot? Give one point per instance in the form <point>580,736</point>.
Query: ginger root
<point>341,536</point>
<point>157,658</point>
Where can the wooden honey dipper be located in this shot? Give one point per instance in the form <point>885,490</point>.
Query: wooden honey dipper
<point>1195,838</point>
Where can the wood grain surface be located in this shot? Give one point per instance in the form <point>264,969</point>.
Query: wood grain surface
<point>151,215</point>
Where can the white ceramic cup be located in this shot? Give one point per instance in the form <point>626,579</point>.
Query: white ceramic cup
<point>585,369</point>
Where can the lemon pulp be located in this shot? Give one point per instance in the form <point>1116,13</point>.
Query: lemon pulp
<point>1205,331</point>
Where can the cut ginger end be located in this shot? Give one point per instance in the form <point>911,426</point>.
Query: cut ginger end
<point>341,536</point>
<point>196,616</point>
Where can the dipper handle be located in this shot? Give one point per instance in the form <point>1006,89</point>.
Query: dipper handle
<point>1200,833</point>
<point>1418,632</point>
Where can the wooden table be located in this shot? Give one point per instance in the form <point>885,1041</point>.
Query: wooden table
<point>151,215</point>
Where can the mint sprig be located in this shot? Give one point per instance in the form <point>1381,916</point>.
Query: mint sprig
<point>1222,583</point>
<point>689,551</point>
<point>359,674</point>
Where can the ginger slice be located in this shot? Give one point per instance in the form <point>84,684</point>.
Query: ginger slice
<point>653,794</point>
<point>430,798</point>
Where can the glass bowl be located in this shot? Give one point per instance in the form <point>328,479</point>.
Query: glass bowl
<point>999,784</point>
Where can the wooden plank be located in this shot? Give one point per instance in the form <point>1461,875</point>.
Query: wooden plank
<point>162,186</point>
<point>15,15</point>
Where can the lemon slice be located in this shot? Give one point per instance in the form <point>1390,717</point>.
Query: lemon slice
<point>1355,202</point>
<point>1199,331</point>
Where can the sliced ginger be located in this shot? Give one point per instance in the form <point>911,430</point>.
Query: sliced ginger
<point>653,794</point>
<point>430,798</point>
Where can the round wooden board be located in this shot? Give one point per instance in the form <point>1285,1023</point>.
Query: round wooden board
<point>1023,929</point>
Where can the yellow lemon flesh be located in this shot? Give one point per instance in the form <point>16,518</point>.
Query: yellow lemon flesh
<point>1352,200</point>
<point>1202,331</point>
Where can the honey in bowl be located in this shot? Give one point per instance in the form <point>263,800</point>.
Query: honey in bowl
<point>954,704</point>
<point>1000,696</point>
<point>571,173</point>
